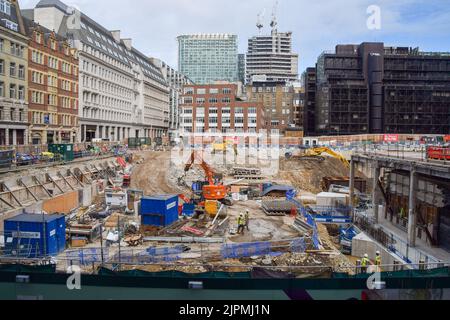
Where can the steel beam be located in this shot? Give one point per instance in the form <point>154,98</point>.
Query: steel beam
<point>43,186</point>
<point>65,180</point>
<point>12,194</point>
<point>54,182</point>
<point>21,183</point>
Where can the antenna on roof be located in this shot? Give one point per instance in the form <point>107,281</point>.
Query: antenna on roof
<point>274,22</point>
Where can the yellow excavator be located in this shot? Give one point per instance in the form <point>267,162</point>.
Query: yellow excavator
<point>316,153</point>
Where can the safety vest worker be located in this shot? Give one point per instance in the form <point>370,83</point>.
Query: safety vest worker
<point>378,259</point>
<point>365,261</point>
<point>240,220</point>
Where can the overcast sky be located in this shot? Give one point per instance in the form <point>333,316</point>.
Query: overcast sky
<point>317,25</point>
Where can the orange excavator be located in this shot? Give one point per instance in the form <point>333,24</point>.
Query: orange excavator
<point>212,191</point>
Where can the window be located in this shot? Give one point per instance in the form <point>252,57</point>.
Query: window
<point>21,93</point>
<point>1,45</point>
<point>11,25</point>
<point>200,101</point>
<point>38,38</point>
<point>12,69</point>
<point>213,91</point>
<point>226,91</point>
<point>22,72</point>
<point>2,89</point>
<point>213,100</point>
<point>201,91</point>
<point>226,100</point>
<point>5,7</point>
<point>12,91</point>
<point>2,66</point>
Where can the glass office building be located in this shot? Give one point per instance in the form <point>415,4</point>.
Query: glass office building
<point>205,58</point>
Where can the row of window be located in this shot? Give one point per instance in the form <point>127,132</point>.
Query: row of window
<point>237,110</point>
<point>52,81</point>
<point>14,48</point>
<point>38,97</point>
<point>13,114</point>
<point>15,71</point>
<point>15,91</point>
<point>52,62</point>
<point>190,90</point>
<point>53,43</point>
<point>189,100</point>
<point>51,118</point>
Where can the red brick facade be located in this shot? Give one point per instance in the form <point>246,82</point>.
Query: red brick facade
<point>221,102</point>
<point>53,87</point>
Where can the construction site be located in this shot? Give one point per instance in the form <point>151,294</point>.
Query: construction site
<point>296,213</point>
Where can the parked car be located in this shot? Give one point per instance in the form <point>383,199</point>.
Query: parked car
<point>24,159</point>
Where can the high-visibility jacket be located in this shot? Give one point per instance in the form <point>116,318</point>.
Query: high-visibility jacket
<point>246,218</point>
<point>378,260</point>
<point>240,221</point>
<point>365,262</point>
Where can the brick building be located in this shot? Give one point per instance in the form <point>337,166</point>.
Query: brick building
<point>277,99</point>
<point>53,87</point>
<point>216,108</point>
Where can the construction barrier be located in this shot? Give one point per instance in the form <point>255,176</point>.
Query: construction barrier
<point>87,256</point>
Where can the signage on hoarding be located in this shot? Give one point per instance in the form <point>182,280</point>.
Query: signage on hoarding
<point>391,138</point>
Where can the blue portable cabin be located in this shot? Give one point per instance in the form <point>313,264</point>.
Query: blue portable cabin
<point>159,210</point>
<point>35,235</point>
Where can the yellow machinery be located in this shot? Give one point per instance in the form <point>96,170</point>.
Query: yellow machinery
<point>317,152</point>
<point>223,146</point>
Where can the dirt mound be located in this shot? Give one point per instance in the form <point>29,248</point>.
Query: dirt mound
<point>307,174</point>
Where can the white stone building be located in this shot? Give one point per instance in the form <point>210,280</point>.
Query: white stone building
<point>176,81</point>
<point>122,94</point>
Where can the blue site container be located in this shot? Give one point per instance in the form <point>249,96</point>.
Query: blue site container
<point>159,210</point>
<point>188,209</point>
<point>35,235</point>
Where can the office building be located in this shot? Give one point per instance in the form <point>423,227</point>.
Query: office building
<point>241,68</point>
<point>13,75</point>
<point>270,58</point>
<point>176,81</point>
<point>370,88</point>
<point>277,100</point>
<point>309,110</point>
<point>206,58</point>
<point>216,108</point>
<point>121,93</point>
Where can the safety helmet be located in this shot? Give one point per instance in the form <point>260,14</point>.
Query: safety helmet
<point>366,255</point>
<point>247,211</point>
<point>241,214</point>
<point>378,253</point>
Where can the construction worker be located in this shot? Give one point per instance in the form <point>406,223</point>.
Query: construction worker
<point>247,218</point>
<point>241,224</point>
<point>378,261</point>
<point>365,263</point>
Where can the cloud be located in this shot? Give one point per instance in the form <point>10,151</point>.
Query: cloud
<point>316,25</point>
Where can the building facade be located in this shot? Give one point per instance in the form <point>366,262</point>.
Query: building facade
<point>277,100</point>
<point>270,58</point>
<point>121,93</point>
<point>176,81</point>
<point>370,88</point>
<point>13,75</point>
<point>241,68</point>
<point>206,58</point>
<point>52,87</point>
<point>309,110</point>
<point>216,108</point>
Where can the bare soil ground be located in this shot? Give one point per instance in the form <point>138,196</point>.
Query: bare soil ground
<point>151,175</point>
<point>306,175</point>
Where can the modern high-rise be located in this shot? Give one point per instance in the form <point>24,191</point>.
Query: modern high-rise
<point>207,58</point>
<point>121,93</point>
<point>270,58</point>
<point>13,75</point>
<point>370,88</point>
<point>241,68</point>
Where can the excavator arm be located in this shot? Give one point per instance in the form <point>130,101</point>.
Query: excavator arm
<point>319,151</point>
<point>208,170</point>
